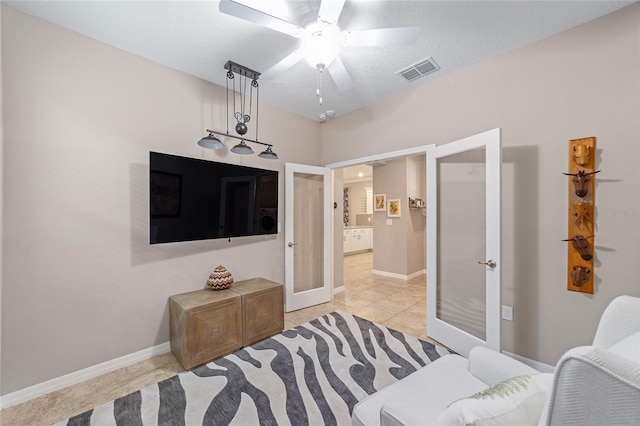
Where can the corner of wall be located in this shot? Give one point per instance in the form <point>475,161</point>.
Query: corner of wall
<point>1,192</point>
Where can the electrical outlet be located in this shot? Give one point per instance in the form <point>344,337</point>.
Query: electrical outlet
<point>507,313</point>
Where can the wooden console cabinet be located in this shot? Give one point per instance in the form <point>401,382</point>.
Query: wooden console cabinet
<point>207,324</point>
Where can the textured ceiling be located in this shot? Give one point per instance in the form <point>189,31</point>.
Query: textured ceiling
<point>196,38</point>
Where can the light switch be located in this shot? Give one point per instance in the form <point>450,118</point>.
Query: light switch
<point>507,313</point>
<point>389,221</point>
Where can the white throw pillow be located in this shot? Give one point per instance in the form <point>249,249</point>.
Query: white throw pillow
<point>516,401</point>
<point>628,347</point>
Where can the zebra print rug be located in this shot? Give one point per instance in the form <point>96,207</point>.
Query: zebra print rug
<point>312,374</point>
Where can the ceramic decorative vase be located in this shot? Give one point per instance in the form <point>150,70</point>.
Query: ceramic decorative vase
<point>220,279</point>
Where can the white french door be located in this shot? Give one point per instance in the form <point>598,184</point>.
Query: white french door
<point>307,236</point>
<point>463,242</point>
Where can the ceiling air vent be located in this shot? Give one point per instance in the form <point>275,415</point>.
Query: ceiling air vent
<point>419,69</point>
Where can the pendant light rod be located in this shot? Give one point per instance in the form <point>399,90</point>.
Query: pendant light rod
<point>238,137</point>
<point>241,70</point>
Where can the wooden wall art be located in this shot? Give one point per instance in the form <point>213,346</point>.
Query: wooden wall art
<point>581,227</point>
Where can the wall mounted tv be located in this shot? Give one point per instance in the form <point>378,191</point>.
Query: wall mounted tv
<point>192,199</point>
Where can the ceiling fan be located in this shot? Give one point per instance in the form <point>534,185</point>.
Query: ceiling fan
<point>321,39</point>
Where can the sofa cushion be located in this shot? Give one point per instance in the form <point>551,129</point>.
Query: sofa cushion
<point>519,400</point>
<point>419,397</point>
<point>628,347</point>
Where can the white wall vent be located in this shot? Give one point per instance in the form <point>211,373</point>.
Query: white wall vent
<point>419,69</point>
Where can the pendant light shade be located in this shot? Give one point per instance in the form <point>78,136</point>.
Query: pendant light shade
<point>242,148</point>
<point>211,142</point>
<point>269,154</point>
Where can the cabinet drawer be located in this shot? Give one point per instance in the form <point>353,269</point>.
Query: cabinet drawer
<point>205,325</point>
<point>213,331</point>
<point>263,315</point>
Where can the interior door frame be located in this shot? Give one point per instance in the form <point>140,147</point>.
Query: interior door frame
<point>392,155</point>
<point>439,330</point>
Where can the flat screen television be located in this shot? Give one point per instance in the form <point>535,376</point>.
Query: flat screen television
<point>192,199</point>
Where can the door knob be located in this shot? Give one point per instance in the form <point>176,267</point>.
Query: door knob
<point>292,244</point>
<point>490,263</point>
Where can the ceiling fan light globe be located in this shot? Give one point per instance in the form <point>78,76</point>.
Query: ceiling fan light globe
<point>321,44</point>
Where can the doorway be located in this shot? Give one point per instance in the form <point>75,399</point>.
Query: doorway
<point>384,218</point>
<point>375,287</point>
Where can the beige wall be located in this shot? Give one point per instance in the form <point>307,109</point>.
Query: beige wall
<point>583,82</point>
<point>416,223</point>
<point>399,248</point>
<point>390,241</point>
<point>81,284</point>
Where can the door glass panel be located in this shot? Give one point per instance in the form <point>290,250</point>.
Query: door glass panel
<point>308,210</point>
<point>461,241</point>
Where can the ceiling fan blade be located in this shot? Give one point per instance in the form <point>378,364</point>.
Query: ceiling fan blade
<point>283,65</point>
<point>330,11</point>
<point>382,36</point>
<point>340,75</point>
<point>247,13</point>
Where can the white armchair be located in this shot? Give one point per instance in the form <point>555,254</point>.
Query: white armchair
<point>600,384</point>
<point>596,385</point>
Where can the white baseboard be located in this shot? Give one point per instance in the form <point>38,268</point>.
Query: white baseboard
<point>58,383</point>
<point>399,276</point>
<point>540,366</point>
<point>416,274</point>
<point>337,290</point>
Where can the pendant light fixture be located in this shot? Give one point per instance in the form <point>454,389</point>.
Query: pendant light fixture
<point>241,114</point>
<point>242,148</point>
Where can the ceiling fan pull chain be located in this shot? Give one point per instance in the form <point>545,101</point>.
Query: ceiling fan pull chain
<point>319,89</point>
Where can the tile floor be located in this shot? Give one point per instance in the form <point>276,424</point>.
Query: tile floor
<point>397,304</point>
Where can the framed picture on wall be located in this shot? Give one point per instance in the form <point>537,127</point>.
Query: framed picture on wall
<point>393,208</point>
<point>379,202</point>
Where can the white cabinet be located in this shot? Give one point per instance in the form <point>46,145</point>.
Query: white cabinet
<point>365,243</point>
<point>347,242</point>
<point>358,239</point>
